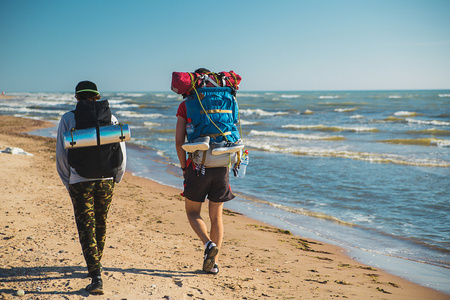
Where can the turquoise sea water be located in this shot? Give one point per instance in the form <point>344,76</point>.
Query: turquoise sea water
<point>366,170</point>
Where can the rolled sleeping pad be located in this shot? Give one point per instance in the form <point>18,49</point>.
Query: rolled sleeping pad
<point>77,138</point>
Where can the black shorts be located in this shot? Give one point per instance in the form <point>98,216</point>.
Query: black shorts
<point>215,184</point>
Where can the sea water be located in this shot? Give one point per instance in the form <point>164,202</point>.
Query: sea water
<point>365,170</point>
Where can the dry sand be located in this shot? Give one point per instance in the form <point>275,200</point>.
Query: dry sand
<point>151,251</point>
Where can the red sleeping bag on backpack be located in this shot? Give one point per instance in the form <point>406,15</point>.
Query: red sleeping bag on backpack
<point>184,82</point>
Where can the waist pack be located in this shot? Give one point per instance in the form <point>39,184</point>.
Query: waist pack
<point>185,82</point>
<point>207,159</point>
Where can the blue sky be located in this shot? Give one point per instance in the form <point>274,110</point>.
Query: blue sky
<point>274,45</point>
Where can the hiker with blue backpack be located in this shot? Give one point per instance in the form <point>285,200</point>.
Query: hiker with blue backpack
<point>208,118</point>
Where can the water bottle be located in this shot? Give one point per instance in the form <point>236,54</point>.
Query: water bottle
<point>190,127</point>
<point>243,165</point>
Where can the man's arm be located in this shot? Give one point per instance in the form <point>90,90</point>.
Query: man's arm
<point>180,134</point>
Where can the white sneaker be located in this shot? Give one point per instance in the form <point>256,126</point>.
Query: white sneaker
<point>201,143</point>
<point>226,147</point>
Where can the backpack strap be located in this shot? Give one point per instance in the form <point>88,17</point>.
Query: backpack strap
<point>214,82</point>
<point>72,143</point>
<point>121,137</point>
<point>204,157</point>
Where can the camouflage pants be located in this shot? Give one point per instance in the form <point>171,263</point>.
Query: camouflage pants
<point>91,201</point>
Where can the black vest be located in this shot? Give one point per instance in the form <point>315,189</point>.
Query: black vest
<point>96,161</point>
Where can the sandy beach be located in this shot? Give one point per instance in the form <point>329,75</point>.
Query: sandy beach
<point>151,251</point>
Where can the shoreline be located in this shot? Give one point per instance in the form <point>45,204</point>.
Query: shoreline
<point>7,97</point>
<point>151,251</point>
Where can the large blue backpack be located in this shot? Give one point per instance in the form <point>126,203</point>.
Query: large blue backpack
<point>214,112</point>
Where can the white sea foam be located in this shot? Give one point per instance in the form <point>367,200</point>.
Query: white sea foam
<point>357,117</point>
<point>262,113</point>
<point>294,126</point>
<point>405,114</point>
<point>359,218</point>
<point>161,153</point>
<point>440,143</point>
<point>290,96</point>
<point>444,95</point>
<point>243,122</point>
<point>133,114</point>
<point>345,109</point>
<point>395,97</point>
<point>131,94</point>
<point>42,102</point>
<point>116,101</point>
<point>290,135</point>
<point>17,110</point>
<point>151,124</point>
<point>429,122</point>
<point>249,95</point>
<point>122,106</point>
<point>330,128</point>
<point>328,97</point>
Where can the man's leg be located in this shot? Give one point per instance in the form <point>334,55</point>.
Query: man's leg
<point>82,195</point>
<point>103,198</point>
<point>215,214</point>
<point>193,210</point>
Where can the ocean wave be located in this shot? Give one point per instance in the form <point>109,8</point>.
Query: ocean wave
<point>243,122</point>
<point>428,122</point>
<point>122,106</point>
<point>395,97</point>
<point>295,135</point>
<point>444,95</point>
<point>151,124</point>
<point>419,142</point>
<point>133,114</point>
<point>348,103</point>
<point>392,119</point>
<point>329,97</point>
<point>290,96</point>
<point>300,211</point>
<point>357,117</point>
<point>430,131</point>
<point>132,95</point>
<point>355,155</point>
<point>331,128</point>
<point>116,101</point>
<point>406,114</point>
<point>262,113</point>
<point>345,109</point>
<point>249,95</point>
<point>47,103</point>
<point>32,111</point>
<point>441,143</point>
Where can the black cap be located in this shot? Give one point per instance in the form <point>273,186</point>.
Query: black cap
<point>86,86</point>
<point>202,70</point>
